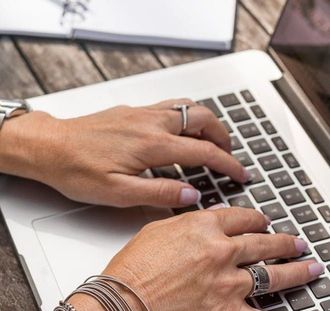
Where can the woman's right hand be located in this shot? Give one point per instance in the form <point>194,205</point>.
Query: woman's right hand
<point>192,261</point>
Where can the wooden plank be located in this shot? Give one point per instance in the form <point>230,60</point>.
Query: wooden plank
<point>16,81</point>
<point>116,61</point>
<point>59,64</point>
<point>266,12</point>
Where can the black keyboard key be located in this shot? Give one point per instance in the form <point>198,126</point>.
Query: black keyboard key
<point>250,302</point>
<point>210,199</point>
<point>268,127</point>
<point>190,171</point>
<point>179,211</point>
<point>235,143</point>
<point>217,175</point>
<point>259,146</point>
<point>256,177</point>
<point>238,115</point>
<point>248,97</point>
<point>292,196</point>
<point>291,160</point>
<point>285,227</point>
<point>248,130</point>
<point>243,158</point>
<point>262,194</point>
<point>325,305</point>
<point>229,187</point>
<point>202,183</point>
<point>258,112</point>
<point>279,144</point>
<point>316,232</point>
<point>270,162</point>
<point>241,201</point>
<point>325,212</point>
<point>299,300</point>
<point>274,211</point>
<point>229,100</point>
<point>328,267</point>
<point>303,214</point>
<point>166,172</point>
<point>314,195</point>
<point>280,309</point>
<point>227,126</point>
<point>302,178</point>
<point>281,179</point>
<point>320,287</point>
<point>210,104</point>
<point>268,300</point>
<point>324,251</point>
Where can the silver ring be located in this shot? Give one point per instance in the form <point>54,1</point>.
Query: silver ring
<point>184,115</point>
<point>261,281</point>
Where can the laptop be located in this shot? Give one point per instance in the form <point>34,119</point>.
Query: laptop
<point>276,107</point>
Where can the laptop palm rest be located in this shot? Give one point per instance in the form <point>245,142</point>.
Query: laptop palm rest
<point>80,243</point>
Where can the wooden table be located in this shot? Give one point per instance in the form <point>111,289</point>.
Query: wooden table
<point>32,67</point>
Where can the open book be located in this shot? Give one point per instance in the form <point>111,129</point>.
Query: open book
<point>207,24</point>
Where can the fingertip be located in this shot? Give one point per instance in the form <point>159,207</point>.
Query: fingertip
<point>189,196</point>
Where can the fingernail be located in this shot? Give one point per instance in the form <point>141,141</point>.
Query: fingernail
<point>189,196</point>
<point>315,269</point>
<point>246,175</point>
<point>268,219</point>
<point>217,206</point>
<point>301,245</point>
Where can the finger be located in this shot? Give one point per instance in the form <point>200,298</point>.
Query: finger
<point>158,192</point>
<point>237,220</point>
<point>285,276</point>
<point>257,247</point>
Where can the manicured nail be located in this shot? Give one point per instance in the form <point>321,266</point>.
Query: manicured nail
<point>217,206</point>
<point>246,175</point>
<point>189,196</point>
<point>315,269</point>
<point>268,219</point>
<point>301,245</point>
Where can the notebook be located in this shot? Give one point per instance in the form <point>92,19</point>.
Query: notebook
<point>207,24</point>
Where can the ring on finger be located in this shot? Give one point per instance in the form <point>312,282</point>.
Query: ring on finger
<point>260,278</point>
<point>184,115</point>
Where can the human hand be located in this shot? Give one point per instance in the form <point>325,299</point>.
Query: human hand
<point>97,158</point>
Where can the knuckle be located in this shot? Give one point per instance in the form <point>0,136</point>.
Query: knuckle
<point>210,151</point>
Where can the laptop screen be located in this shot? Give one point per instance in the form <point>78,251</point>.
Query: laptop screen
<point>302,41</point>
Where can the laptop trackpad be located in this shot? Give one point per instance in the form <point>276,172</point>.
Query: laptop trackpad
<point>80,243</point>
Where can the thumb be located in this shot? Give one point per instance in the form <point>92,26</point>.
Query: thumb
<point>158,192</point>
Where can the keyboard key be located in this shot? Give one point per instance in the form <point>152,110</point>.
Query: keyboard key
<point>190,171</point>
<point>166,172</point>
<point>210,104</point>
<point>268,127</point>
<point>303,214</point>
<point>250,302</point>
<point>259,146</point>
<point>302,178</point>
<point>229,100</point>
<point>281,179</point>
<point>316,232</point>
<point>291,160</point>
<point>258,112</point>
<point>270,162</point>
<point>279,144</point>
<point>325,305</point>
<point>243,158</point>
<point>262,194</point>
<point>179,211</point>
<point>241,201</point>
<point>248,97</point>
<point>227,126</point>
<point>325,212</point>
<point>235,143</point>
<point>320,287</point>
<point>268,300</point>
<point>314,195</point>
<point>210,199</point>
<point>202,183</point>
<point>248,130</point>
<point>229,187</point>
<point>274,211</point>
<point>280,309</point>
<point>286,227</point>
<point>292,196</point>
<point>299,300</point>
<point>238,115</point>
<point>217,175</point>
<point>256,177</point>
<point>324,251</point>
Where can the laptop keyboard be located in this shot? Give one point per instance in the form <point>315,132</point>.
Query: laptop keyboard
<point>280,188</point>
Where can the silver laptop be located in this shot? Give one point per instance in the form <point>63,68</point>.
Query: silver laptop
<point>276,107</point>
